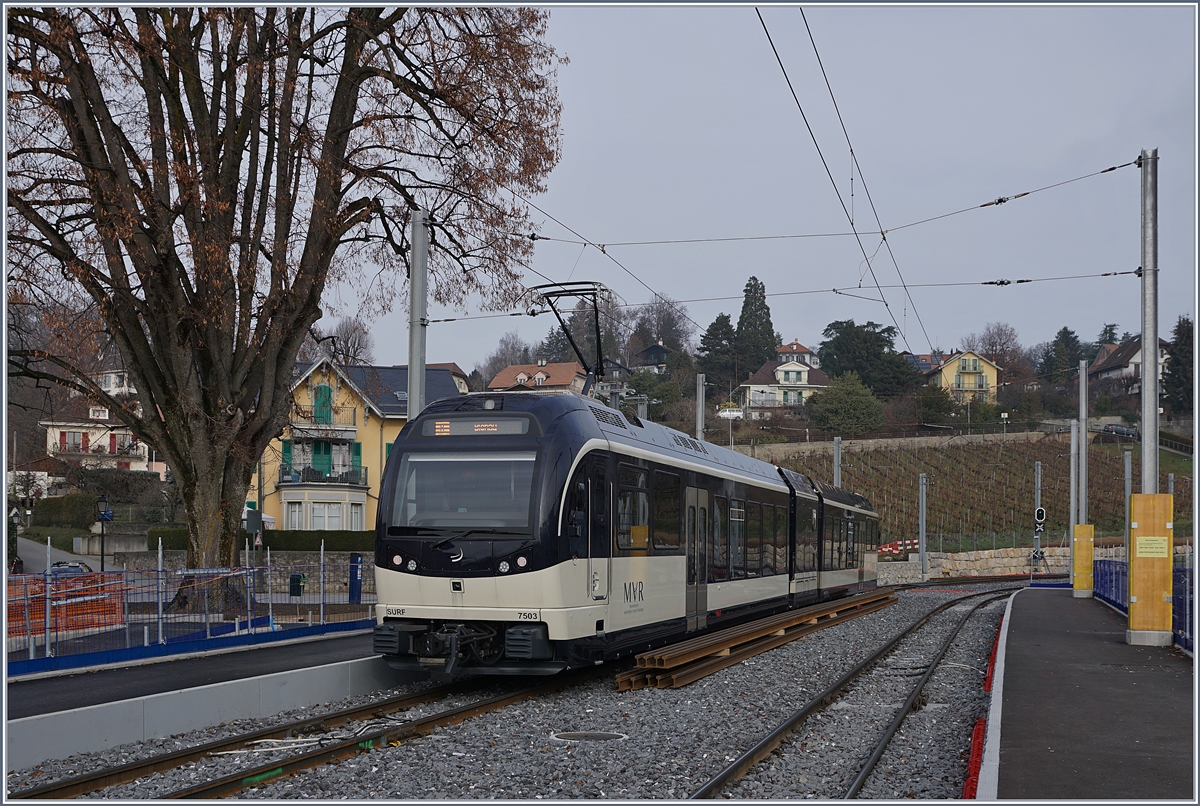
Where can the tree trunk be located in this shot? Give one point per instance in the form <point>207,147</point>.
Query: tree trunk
<point>214,501</point>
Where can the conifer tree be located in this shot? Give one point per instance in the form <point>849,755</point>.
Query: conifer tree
<point>756,340</point>
<point>1177,377</point>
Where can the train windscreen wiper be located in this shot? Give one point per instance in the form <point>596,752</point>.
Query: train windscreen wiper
<point>466,532</point>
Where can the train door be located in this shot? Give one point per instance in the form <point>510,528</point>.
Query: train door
<point>696,526</point>
<point>600,539</point>
<point>804,556</point>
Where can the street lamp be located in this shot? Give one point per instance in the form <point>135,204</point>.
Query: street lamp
<point>103,513</point>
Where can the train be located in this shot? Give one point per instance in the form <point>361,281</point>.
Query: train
<point>525,534</point>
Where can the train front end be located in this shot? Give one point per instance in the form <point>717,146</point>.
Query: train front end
<point>474,572</point>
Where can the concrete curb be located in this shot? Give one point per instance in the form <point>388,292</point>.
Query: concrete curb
<point>989,770</point>
<point>34,739</point>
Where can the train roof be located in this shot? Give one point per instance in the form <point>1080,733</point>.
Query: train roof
<point>622,429</point>
<point>618,428</point>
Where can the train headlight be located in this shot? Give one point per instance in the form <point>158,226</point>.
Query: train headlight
<point>397,561</point>
<point>504,566</point>
<point>522,562</point>
<point>412,565</point>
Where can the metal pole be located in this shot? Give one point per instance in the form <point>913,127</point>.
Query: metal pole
<point>700,406</point>
<point>1128,493</point>
<point>1072,519</point>
<point>1148,162</point>
<point>1083,448</point>
<point>1170,484</point>
<point>322,581</point>
<point>921,542</point>
<point>417,319</point>
<point>1037,485</point>
<point>158,592</point>
<point>28,626</point>
<point>837,461</point>
<point>270,599</point>
<point>47,597</point>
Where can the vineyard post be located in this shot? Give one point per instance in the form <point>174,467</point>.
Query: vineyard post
<point>1128,492</point>
<point>921,544</point>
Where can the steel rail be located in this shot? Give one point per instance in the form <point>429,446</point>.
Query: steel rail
<point>112,776</point>
<point>347,748</point>
<point>767,745</point>
<point>904,709</point>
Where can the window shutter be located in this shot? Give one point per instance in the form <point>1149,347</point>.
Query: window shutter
<point>387,451</point>
<point>112,443</point>
<point>287,452</point>
<point>62,441</point>
<point>356,456</point>
<point>85,441</point>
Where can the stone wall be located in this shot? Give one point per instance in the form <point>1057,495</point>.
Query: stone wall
<point>779,451</point>
<point>992,562</point>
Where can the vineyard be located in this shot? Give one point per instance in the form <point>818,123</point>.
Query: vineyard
<point>980,496</point>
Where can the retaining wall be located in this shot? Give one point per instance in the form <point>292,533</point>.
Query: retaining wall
<point>783,450</point>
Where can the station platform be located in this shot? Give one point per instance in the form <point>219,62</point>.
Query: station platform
<point>1079,714</point>
<point>65,691</point>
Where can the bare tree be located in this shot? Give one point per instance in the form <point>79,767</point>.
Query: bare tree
<point>350,343</point>
<point>511,349</point>
<point>188,180</point>
<point>1000,344</point>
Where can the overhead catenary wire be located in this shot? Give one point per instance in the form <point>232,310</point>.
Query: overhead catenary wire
<point>863,180</point>
<point>829,173</point>
<point>800,236</point>
<point>960,283</point>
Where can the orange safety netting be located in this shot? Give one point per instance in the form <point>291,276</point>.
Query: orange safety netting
<point>77,602</point>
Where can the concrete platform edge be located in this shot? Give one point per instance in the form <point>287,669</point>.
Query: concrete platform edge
<point>34,739</point>
<point>989,770</point>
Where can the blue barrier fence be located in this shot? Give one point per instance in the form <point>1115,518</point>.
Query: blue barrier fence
<point>71,621</point>
<point>1110,584</point>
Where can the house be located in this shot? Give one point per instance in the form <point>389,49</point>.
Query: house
<point>615,370</point>
<point>653,358</point>
<point>324,472</point>
<point>86,434</point>
<point>1125,362</point>
<point>968,375</point>
<point>797,352</point>
<point>460,377</point>
<point>924,362</point>
<point>779,385</point>
<point>542,378</point>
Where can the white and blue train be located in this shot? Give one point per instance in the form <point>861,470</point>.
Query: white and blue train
<point>526,534</point>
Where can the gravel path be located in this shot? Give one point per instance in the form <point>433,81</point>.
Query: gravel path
<point>671,740</point>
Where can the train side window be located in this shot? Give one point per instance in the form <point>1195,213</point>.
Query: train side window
<point>768,540</point>
<point>666,511</point>
<point>576,515</point>
<point>718,558</point>
<point>600,540</point>
<point>851,539</point>
<point>737,539</point>
<point>827,544</point>
<point>633,509</point>
<point>753,539</point>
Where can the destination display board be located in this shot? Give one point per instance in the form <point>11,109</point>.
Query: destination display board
<point>475,426</point>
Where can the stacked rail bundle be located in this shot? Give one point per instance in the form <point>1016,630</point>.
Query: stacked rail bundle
<point>679,664</point>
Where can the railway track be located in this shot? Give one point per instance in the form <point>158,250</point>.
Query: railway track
<point>741,766</point>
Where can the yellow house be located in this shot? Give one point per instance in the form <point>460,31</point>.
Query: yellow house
<point>324,472</point>
<point>968,375</point>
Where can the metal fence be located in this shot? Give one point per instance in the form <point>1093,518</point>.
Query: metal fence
<point>1110,584</point>
<point>71,620</point>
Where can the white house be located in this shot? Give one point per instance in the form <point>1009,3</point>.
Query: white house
<point>779,385</point>
<point>1126,362</point>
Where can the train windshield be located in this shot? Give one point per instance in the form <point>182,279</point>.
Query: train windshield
<point>452,490</point>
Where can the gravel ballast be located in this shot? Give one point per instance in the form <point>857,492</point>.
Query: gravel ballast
<point>669,741</point>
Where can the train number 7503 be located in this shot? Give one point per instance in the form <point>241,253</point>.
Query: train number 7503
<point>527,615</point>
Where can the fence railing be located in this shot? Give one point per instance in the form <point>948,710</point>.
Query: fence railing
<point>72,620</point>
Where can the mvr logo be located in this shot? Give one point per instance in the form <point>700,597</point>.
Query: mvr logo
<point>633,592</point>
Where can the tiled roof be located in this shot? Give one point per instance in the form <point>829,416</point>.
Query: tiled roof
<point>560,375</point>
<point>380,385</point>
<point>793,348</point>
<point>766,376</point>
<point>1121,356</point>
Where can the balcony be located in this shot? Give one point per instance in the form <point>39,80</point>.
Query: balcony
<point>353,475</point>
<point>99,451</point>
<point>318,416</point>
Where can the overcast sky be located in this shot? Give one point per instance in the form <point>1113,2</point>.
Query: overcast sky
<point>678,124</point>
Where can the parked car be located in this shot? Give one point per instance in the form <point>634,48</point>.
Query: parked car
<point>1121,431</point>
<point>70,567</point>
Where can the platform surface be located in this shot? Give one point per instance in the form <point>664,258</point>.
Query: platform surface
<point>60,693</point>
<point>1086,716</point>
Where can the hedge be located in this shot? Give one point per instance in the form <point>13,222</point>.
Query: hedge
<point>276,540</point>
<point>77,510</point>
